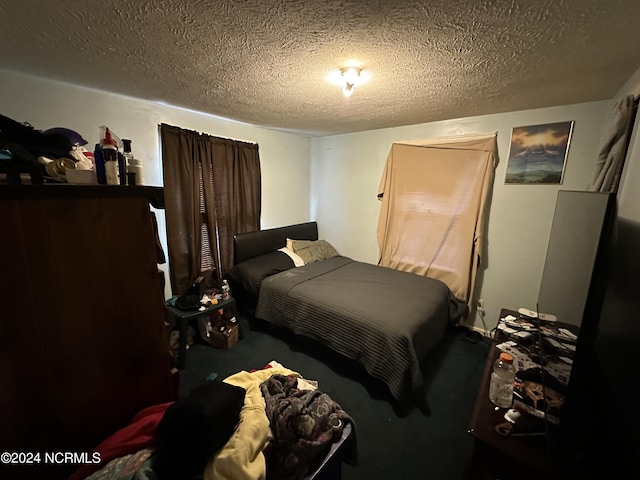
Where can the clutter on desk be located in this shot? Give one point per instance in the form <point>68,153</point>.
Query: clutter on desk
<point>543,357</point>
<point>517,424</point>
<point>58,155</point>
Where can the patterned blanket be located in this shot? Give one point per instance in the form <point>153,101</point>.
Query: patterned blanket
<point>304,425</point>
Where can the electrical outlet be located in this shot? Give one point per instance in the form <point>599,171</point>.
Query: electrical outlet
<point>480,307</point>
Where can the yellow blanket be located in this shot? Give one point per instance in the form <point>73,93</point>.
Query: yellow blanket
<point>242,458</point>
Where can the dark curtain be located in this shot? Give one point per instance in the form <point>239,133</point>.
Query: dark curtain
<point>212,190</point>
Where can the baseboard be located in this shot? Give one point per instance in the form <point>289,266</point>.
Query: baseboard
<point>481,331</point>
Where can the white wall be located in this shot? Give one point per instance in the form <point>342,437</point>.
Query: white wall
<point>334,179</point>
<point>346,172</point>
<point>284,158</point>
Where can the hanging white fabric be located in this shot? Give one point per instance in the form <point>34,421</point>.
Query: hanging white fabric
<point>434,193</point>
<point>608,167</point>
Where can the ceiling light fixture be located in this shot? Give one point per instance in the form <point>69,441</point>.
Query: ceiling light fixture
<point>348,78</point>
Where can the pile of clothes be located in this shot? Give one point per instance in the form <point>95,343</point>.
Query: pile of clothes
<point>268,423</point>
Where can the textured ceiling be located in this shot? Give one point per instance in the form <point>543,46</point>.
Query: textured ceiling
<point>264,62</point>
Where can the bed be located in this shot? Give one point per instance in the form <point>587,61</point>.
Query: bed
<point>385,319</point>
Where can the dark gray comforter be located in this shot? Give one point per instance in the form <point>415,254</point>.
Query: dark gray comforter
<point>383,318</point>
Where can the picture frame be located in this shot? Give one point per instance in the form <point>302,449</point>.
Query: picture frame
<point>538,153</point>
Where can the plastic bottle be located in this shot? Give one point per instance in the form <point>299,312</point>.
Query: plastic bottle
<point>110,155</point>
<point>128,158</point>
<point>502,378</point>
<point>134,166</point>
<point>122,169</point>
<point>137,171</point>
<point>98,159</point>
<point>225,289</point>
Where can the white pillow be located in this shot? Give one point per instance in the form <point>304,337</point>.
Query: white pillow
<point>297,260</point>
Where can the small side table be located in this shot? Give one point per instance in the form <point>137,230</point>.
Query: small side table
<point>182,317</point>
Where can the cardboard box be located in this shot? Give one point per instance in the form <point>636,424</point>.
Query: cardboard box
<point>224,334</point>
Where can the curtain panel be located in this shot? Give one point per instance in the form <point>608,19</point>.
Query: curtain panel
<point>212,191</point>
<point>608,166</point>
<point>434,195</point>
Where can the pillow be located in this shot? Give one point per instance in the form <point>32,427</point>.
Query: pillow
<point>314,250</point>
<point>297,261</point>
<point>195,427</point>
<point>250,273</point>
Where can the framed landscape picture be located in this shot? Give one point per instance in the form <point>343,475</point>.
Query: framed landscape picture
<point>538,153</point>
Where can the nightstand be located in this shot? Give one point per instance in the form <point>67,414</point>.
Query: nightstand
<point>182,318</point>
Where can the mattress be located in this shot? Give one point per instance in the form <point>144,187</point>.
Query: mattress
<point>383,318</point>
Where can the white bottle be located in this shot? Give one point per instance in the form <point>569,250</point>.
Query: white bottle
<point>225,290</point>
<point>502,378</point>
<point>134,166</point>
<point>110,156</point>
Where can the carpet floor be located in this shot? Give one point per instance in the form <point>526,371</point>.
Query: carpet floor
<point>425,440</point>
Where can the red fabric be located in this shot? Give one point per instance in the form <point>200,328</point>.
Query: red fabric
<point>258,369</point>
<point>135,436</point>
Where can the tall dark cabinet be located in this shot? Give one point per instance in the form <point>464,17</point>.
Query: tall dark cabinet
<point>83,345</point>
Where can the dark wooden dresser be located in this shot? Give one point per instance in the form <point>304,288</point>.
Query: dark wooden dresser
<point>83,345</point>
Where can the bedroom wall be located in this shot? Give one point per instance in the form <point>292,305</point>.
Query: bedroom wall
<point>46,104</point>
<point>346,172</point>
<point>334,179</point>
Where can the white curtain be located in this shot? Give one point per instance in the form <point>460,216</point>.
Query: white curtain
<point>608,167</point>
<point>434,194</point>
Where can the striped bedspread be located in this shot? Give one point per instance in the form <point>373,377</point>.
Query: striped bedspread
<point>383,318</point>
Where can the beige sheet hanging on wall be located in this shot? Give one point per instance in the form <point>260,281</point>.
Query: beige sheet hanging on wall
<point>433,195</point>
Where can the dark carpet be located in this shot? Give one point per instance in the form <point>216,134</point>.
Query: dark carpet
<point>426,439</point>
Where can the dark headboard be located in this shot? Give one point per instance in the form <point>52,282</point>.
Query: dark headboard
<point>253,244</point>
